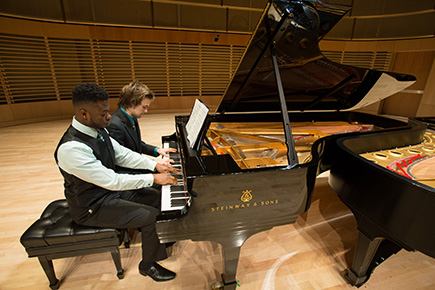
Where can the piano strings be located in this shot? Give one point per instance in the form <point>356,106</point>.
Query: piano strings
<point>416,162</point>
<point>260,144</point>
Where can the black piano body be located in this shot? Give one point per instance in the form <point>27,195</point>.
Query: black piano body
<point>393,212</point>
<point>278,194</point>
<point>282,70</point>
<point>429,121</point>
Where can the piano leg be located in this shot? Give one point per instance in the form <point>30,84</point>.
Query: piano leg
<point>231,260</point>
<point>364,254</point>
<point>368,255</point>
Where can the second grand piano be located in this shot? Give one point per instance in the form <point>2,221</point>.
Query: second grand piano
<point>254,164</point>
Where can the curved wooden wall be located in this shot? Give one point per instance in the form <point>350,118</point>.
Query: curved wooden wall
<point>40,62</point>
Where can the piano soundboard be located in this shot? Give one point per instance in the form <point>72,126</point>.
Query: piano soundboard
<point>416,162</point>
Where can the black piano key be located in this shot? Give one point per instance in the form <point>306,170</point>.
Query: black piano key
<point>174,156</point>
<point>177,194</point>
<point>178,176</point>
<point>178,202</point>
<point>177,188</point>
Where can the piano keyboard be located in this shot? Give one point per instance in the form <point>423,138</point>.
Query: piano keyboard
<point>175,197</point>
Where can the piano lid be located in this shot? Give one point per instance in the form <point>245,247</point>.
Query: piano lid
<point>310,81</point>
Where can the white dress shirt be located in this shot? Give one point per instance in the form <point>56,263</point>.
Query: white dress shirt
<point>77,158</point>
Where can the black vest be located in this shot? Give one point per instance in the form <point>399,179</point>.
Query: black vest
<point>83,197</point>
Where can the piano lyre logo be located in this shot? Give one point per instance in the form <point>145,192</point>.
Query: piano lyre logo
<point>246,196</point>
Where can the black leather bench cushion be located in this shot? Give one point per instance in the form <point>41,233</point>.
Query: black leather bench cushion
<point>56,231</point>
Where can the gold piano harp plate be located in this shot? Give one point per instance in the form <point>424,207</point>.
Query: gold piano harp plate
<point>261,144</point>
<point>416,162</point>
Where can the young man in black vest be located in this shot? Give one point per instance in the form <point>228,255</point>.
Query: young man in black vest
<point>96,194</point>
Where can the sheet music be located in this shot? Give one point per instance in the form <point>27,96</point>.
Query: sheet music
<point>196,120</point>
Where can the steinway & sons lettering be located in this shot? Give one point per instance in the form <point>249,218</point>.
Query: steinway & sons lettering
<point>244,205</point>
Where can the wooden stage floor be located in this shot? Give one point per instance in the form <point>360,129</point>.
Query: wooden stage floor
<point>310,254</point>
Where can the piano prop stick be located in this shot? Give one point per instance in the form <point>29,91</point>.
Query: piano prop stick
<point>253,164</point>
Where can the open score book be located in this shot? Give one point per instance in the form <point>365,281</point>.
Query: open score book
<point>196,121</point>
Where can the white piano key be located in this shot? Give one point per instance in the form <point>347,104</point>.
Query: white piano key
<point>166,192</point>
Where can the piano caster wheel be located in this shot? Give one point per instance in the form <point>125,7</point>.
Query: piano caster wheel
<point>217,286</point>
<point>120,274</point>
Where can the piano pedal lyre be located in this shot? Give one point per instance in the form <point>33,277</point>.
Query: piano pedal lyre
<point>225,285</point>
<point>217,286</point>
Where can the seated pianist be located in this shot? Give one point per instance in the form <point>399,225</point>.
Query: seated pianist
<point>99,196</point>
<point>134,101</point>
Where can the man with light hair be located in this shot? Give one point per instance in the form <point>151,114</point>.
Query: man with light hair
<point>133,103</point>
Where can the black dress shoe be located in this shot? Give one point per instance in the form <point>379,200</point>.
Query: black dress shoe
<point>157,273</point>
<point>170,244</point>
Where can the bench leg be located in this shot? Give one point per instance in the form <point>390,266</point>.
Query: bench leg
<point>117,260</point>
<point>47,265</point>
<point>126,239</point>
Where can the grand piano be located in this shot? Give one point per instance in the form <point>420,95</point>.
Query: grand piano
<point>254,162</point>
<point>388,182</point>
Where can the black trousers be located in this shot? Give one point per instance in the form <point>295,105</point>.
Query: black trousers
<point>133,209</point>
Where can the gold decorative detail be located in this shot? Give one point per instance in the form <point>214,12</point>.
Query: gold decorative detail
<point>246,196</point>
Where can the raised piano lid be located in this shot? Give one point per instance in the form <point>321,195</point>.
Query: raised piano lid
<point>310,81</point>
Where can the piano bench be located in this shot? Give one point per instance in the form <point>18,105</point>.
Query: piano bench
<point>55,235</point>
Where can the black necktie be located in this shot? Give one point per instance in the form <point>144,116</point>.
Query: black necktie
<point>100,135</point>
<point>135,127</point>
<point>108,145</point>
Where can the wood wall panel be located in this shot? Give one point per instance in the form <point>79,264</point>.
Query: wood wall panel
<point>66,109</point>
<point>71,31</point>
<point>181,103</point>
<point>157,35</point>
<point>386,7</point>
<point>208,18</point>
<point>39,28</point>
<point>406,45</point>
<point>6,114</point>
<point>426,44</point>
<point>427,105</point>
<point>401,104</point>
<point>138,13</point>
<point>419,64</point>
<point>35,110</point>
<point>415,63</point>
<point>160,104</point>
